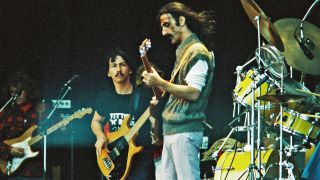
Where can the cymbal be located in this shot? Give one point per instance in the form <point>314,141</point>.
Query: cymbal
<point>291,86</point>
<point>282,98</point>
<point>268,31</point>
<point>307,92</point>
<point>294,55</point>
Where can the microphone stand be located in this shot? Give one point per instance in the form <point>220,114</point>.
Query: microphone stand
<point>304,18</point>
<point>6,104</point>
<point>12,99</point>
<point>44,132</point>
<point>303,40</point>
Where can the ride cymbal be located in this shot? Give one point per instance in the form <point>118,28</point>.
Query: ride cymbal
<point>307,57</point>
<point>268,31</point>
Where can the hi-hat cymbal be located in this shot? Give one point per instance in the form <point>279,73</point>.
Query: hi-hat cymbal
<point>268,31</point>
<point>282,98</point>
<point>293,53</point>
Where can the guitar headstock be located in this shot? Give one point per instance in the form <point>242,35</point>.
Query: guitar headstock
<point>80,113</point>
<point>144,47</point>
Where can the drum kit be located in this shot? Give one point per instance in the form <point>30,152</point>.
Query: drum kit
<point>269,96</point>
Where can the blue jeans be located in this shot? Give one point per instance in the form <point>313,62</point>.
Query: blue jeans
<point>180,156</point>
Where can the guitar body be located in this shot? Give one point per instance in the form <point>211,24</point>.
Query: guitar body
<point>9,167</point>
<point>26,140</point>
<point>121,152</point>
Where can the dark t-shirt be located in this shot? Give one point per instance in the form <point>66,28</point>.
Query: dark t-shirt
<point>114,107</point>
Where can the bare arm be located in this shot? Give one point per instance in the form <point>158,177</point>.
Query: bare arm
<point>181,91</point>
<point>96,126</point>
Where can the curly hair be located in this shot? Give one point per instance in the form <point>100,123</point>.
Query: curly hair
<point>201,23</point>
<point>23,82</point>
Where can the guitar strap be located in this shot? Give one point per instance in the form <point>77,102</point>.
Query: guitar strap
<point>182,62</point>
<point>134,101</point>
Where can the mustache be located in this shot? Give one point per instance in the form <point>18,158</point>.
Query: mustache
<point>119,74</point>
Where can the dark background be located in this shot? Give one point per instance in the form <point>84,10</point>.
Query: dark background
<point>53,40</point>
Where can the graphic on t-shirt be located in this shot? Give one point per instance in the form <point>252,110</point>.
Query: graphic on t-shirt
<point>116,120</point>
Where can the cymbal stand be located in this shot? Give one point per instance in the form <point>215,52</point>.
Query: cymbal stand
<point>259,94</point>
<point>281,127</point>
<point>236,104</point>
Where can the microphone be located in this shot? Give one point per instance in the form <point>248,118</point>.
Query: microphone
<point>305,50</point>
<point>303,40</point>
<point>70,80</point>
<point>17,94</point>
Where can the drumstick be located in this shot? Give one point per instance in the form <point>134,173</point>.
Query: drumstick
<point>307,92</point>
<point>311,115</point>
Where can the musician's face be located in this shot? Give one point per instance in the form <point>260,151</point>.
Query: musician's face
<point>22,98</point>
<point>170,29</point>
<point>119,70</point>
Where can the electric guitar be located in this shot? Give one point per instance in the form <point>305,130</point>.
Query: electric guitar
<point>121,143</point>
<point>122,148</point>
<point>143,49</point>
<point>26,140</point>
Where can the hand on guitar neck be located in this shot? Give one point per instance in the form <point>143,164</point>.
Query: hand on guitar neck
<point>143,49</point>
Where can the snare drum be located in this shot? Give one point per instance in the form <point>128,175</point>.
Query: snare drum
<point>298,124</point>
<point>238,163</point>
<point>243,91</point>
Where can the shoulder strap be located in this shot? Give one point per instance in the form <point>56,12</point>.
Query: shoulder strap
<point>184,58</point>
<point>134,101</point>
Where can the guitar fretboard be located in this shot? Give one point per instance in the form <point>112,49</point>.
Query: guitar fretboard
<point>143,118</point>
<point>62,123</point>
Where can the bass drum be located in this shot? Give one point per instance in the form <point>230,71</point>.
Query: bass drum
<point>237,164</point>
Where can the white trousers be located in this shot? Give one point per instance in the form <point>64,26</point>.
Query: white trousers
<point>180,156</point>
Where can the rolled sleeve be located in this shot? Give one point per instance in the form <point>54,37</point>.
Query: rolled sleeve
<point>197,75</point>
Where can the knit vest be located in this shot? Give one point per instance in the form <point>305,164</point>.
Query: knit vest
<point>181,115</point>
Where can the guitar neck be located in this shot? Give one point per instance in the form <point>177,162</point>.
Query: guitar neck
<point>53,128</point>
<point>143,118</point>
<point>157,91</point>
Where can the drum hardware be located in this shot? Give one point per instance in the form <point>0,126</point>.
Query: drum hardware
<point>260,20</point>
<point>234,129</point>
<point>273,61</point>
<point>311,115</point>
<point>236,118</point>
<point>239,69</point>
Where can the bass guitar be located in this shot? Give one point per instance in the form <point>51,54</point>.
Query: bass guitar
<point>26,140</point>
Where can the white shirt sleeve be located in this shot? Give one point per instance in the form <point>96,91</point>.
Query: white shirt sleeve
<point>197,75</point>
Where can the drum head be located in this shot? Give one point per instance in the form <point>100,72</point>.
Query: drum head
<point>273,61</point>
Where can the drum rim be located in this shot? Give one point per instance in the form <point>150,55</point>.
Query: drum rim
<point>272,50</point>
